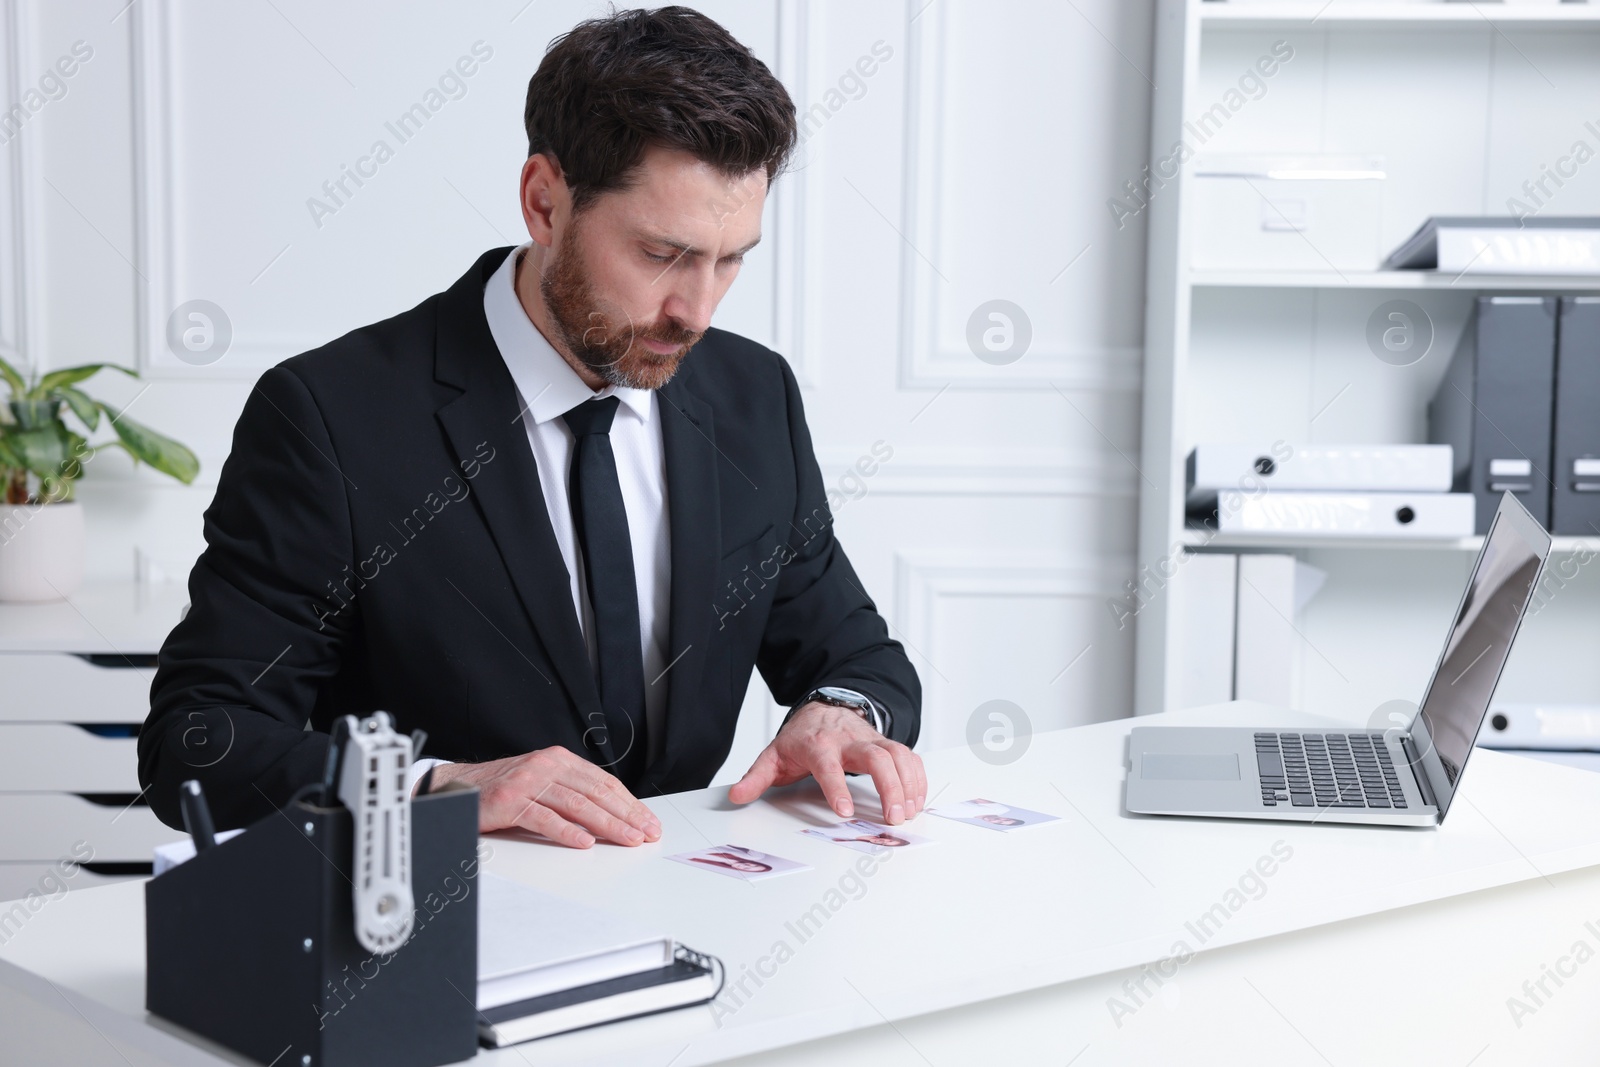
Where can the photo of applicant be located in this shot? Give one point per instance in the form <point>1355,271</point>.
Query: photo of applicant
<point>736,861</point>
<point>864,836</point>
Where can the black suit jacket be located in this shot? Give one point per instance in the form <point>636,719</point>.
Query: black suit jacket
<point>378,540</point>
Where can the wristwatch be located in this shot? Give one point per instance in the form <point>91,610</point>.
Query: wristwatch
<point>839,697</point>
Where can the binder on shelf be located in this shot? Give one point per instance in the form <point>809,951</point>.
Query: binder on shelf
<point>1340,515</point>
<point>1494,405</point>
<point>1575,507</point>
<point>1236,635</point>
<point>1558,733</point>
<point>1502,245</point>
<point>1213,468</point>
<point>1272,590</point>
<point>1555,727</point>
<point>252,943</point>
<point>1204,591</point>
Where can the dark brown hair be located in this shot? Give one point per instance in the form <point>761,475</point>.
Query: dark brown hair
<point>613,86</point>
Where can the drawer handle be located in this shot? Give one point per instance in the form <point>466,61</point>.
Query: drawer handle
<point>115,869</point>
<point>115,800</point>
<point>110,729</point>
<point>136,661</point>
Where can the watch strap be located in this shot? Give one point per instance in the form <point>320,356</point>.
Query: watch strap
<point>876,715</point>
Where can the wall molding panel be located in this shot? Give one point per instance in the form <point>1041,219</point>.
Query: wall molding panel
<point>1019,472</point>
<point>925,362</point>
<point>22,341</point>
<point>160,226</point>
<point>923,582</point>
<point>794,208</point>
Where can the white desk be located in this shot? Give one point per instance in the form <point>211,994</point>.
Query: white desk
<point>1044,919</point>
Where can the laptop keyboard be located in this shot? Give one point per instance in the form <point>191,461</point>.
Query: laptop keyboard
<point>1326,770</point>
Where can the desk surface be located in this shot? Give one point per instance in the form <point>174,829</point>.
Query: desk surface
<point>980,915</point>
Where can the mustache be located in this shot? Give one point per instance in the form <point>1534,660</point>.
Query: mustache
<point>603,330</point>
<point>669,334</point>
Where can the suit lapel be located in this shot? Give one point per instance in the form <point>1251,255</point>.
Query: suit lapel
<point>694,519</point>
<point>507,488</point>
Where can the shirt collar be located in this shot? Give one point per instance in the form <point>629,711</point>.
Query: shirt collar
<point>548,385</point>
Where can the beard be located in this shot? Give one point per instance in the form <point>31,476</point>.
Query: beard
<point>603,336</point>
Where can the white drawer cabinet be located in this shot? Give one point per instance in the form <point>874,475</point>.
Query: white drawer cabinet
<point>19,879</point>
<point>60,687</point>
<point>46,827</point>
<point>61,757</point>
<point>74,689</point>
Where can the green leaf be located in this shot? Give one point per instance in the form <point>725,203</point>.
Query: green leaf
<point>161,452</point>
<point>8,457</point>
<point>82,405</point>
<point>57,379</point>
<point>43,452</point>
<point>56,488</point>
<point>36,414</point>
<point>13,378</point>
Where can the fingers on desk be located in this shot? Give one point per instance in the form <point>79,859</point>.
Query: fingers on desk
<point>572,802</point>
<point>608,793</point>
<point>761,776</point>
<point>541,818</point>
<point>913,778</point>
<point>575,807</point>
<point>829,773</point>
<point>896,772</point>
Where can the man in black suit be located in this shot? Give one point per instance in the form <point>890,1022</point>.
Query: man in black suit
<point>549,515</point>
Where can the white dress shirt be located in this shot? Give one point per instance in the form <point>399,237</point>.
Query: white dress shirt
<point>547,388</point>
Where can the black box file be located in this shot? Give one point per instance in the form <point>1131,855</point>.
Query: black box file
<point>1494,405</point>
<point>252,944</point>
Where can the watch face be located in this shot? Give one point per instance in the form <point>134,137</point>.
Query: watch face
<point>842,696</point>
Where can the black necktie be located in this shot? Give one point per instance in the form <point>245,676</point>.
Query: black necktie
<point>601,523</point>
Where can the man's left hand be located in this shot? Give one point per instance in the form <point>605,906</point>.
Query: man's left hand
<point>826,742</point>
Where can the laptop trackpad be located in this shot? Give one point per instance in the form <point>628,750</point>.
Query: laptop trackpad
<point>1218,767</point>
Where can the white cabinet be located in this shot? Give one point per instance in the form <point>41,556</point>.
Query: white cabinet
<point>74,691</point>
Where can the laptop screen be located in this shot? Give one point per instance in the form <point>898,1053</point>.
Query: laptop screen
<point>1480,639</point>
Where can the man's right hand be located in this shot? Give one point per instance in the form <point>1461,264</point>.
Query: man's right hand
<point>557,793</point>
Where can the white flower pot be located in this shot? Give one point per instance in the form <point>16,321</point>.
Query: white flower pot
<point>41,551</point>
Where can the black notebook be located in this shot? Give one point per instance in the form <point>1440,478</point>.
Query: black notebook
<point>689,979</point>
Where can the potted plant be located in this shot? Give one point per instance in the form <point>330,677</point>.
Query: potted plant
<point>41,458</point>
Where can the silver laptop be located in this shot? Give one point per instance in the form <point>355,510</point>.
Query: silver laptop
<point>1397,777</point>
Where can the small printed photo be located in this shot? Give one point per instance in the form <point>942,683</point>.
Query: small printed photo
<point>864,836</point>
<point>736,861</point>
<point>991,814</point>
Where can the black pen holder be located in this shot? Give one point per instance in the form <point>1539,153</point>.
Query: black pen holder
<point>252,944</point>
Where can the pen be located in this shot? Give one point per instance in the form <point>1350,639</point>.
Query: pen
<point>197,815</point>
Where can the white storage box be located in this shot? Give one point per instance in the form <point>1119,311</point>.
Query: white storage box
<point>1274,212</point>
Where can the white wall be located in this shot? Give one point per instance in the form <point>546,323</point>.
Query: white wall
<point>973,164</point>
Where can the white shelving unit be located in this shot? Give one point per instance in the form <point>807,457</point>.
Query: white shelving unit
<point>1464,103</point>
<point>1386,279</point>
<point>1200,540</point>
<point>1430,13</point>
